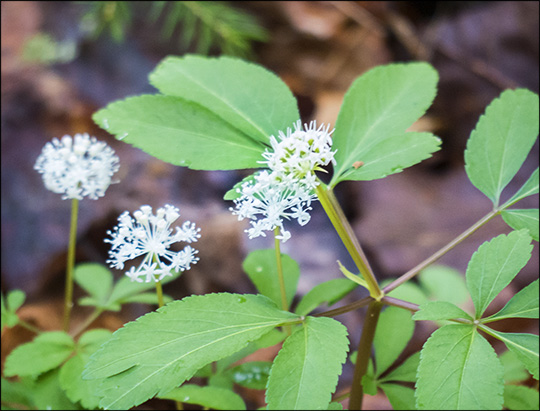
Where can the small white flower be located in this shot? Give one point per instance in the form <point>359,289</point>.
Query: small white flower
<point>150,235</point>
<point>77,167</point>
<point>268,199</point>
<point>300,153</point>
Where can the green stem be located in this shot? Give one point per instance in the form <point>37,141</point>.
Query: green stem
<point>68,300</point>
<point>281,279</point>
<point>89,320</point>
<point>337,217</point>
<point>364,354</point>
<point>414,271</point>
<point>159,289</point>
<point>279,264</point>
<point>159,292</point>
<point>29,327</point>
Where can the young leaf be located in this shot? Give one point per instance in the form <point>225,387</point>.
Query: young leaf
<point>378,108</point>
<point>70,376</point>
<point>209,397</point>
<point>528,189</point>
<point>501,141</point>
<point>522,305</point>
<point>261,267</point>
<point>182,133</point>
<point>252,374</point>
<point>400,397</point>
<point>47,394</point>
<point>460,370</point>
<point>525,346</point>
<point>408,291</point>
<point>96,280</point>
<point>406,371</point>
<point>494,265</point>
<point>306,370</point>
<point>527,219</point>
<point>439,310</point>
<point>250,98</point>
<point>518,397</point>
<point>162,349</point>
<point>14,299</point>
<point>45,352</point>
<point>330,291</point>
<point>394,330</point>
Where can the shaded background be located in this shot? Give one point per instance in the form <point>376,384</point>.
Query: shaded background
<point>49,89</point>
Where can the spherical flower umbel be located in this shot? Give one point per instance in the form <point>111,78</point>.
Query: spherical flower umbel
<point>300,153</point>
<point>77,167</point>
<point>268,199</point>
<point>150,235</point>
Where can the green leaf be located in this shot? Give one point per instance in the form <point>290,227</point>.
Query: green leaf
<point>439,310</point>
<point>400,397</point>
<point>147,298</point>
<point>47,351</point>
<point>95,279</point>
<point>369,383</point>
<point>522,305</point>
<point>179,132</point>
<point>261,267</point>
<point>518,397</point>
<point>528,189</point>
<point>247,96</point>
<point>527,219</point>
<point>70,376</point>
<point>408,291</point>
<point>252,374</point>
<point>305,372</point>
<point>514,370</point>
<point>459,370</point>
<point>233,194</point>
<point>330,292</point>
<point>501,141</point>
<point>47,394</point>
<point>357,278</point>
<point>15,299</point>
<point>378,108</point>
<point>209,397</point>
<point>15,393</point>
<point>494,265</point>
<point>162,349</point>
<point>406,371</point>
<point>444,283</point>
<point>525,346</point>
<point>394,330</point>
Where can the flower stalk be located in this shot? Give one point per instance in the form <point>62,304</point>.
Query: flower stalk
<point>68,298</point>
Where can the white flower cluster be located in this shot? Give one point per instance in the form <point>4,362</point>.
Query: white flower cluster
<point>286,190</point>
<point>77,167</point>
<point>150,235</point>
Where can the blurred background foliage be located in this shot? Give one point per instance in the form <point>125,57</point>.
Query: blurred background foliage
<point>197,26</point>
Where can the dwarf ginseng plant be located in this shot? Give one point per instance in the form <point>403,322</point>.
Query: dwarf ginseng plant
<point>224,113</point>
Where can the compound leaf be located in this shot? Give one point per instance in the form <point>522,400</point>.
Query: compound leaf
<point>209,397</point>
<point>525,346</point>
<point>528,189</point>
<point>494,265</point>
<point>439,310</point>
<point>330,291</point>
<point>527,219</point>
<point>400,397</point>
<point>179,132</point>
<point>162,349</point>
<point>406,371</point>
<point>501,141</point>
<point>522,305</point>
<point>459,370</point>
<point>306,370</point>
<point>70,376</point>
<point>519,397</point>
<point>379,106</point>
<point>96,280</point>
<point>394,330</point>
<point>247,96</point>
